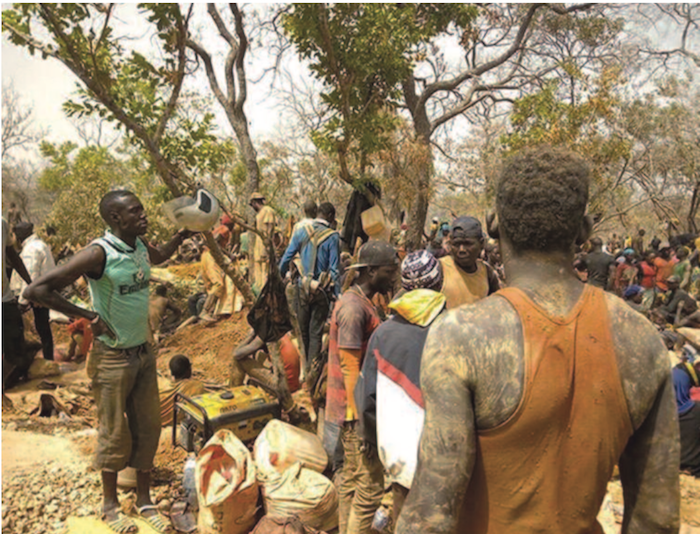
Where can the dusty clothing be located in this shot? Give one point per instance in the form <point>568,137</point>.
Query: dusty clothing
<point>560,446</point>
<point>265,217</point>
<point>664,269</point>
<point>648,275</point>
<point>598,267</point>
<point>125,386</point>
<point>353,321</point>
<point>229,299</point>
<point>212,275</point>
<point>360,484</point>
<point>461,287</point>
<point>257,369</point>
<point>167,391</point>
<point>388,393</point>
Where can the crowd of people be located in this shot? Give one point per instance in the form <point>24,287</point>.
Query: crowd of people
<point>451,374</point>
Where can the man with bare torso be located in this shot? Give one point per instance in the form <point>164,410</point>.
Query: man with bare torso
<point>534,394</point>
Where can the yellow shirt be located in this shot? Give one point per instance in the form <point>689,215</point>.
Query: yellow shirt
<point>460,287</point>
<point>265,217</point>
<point>167,390</point>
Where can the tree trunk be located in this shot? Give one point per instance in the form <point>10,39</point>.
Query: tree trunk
<point>418,210</point>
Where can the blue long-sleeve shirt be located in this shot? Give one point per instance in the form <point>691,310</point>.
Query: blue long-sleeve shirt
<point>327,255</point>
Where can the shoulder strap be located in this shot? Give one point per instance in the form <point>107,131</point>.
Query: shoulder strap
<point>316,240</point>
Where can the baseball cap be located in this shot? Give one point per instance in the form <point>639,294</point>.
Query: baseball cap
<point>466,227</point>
<point>376,254</point>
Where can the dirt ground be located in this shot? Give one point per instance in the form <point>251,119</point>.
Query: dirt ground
<point>31,443</point>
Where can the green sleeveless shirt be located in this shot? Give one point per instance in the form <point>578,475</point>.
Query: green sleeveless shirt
<point>120,295</point>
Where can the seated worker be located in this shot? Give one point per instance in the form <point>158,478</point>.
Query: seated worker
<point>691,321</point>
<point>679,303</point>
<point>80,339</point>
<point>250,356</point>
<point>162,313</point>
<point>634,296</point>
<point>387,394</point>
<point>181,382</point>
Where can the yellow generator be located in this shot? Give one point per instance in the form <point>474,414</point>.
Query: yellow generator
<point>245,410</point>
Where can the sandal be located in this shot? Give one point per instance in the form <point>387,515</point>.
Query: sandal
<point>122,524</point>
<point>155,521</point>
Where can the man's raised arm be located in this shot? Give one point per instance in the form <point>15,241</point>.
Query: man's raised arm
<point>448,443</point>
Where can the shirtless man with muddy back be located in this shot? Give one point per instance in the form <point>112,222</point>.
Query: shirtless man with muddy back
<point>533,394</point>
<point>122,363</point>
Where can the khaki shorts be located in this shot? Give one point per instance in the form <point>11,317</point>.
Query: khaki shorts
<point>128,408</point>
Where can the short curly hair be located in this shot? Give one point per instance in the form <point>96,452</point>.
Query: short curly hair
<point>541,199</point>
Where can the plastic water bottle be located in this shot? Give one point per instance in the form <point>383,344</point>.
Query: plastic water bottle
<point>381,519</point>
<point>188,480</point>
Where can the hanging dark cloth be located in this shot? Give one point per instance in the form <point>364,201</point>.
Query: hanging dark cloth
<point>352,229</point>
<point>269,316</point>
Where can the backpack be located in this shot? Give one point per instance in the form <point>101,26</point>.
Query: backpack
<point>283,525</point>
<point>307,285</point>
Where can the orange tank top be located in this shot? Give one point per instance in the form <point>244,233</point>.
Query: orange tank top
<point>546,468</point>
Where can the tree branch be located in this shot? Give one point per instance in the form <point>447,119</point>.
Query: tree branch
<point>230,57</point>
<point>175,94</point>
<point>209,68</point>
<point>240,57</point>
<point>449,85</point>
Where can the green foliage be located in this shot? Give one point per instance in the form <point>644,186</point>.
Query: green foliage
<point>80,178</point>
<point>586,127</point>
<point>362,53</point>
<point>80,35</point>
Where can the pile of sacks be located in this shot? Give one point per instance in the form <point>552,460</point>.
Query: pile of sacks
<point>286,469</point>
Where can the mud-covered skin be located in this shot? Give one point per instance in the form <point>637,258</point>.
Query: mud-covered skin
<point>472,378</point>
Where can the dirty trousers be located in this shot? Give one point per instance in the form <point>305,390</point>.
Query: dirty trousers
<point>360,485</point>
<point>254,368</point>
<point>125,386</point>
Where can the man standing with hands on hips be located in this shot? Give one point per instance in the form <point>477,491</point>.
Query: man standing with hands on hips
<point>122,364</point>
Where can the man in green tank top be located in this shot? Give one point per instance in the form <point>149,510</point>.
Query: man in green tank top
<point>122,364</point>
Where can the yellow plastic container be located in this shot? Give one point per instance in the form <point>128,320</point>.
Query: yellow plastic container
<point>373,222</point>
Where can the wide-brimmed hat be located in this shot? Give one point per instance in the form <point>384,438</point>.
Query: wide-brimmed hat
<point>256,196</point>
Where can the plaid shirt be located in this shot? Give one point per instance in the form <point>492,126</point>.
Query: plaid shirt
<point>353,321</point>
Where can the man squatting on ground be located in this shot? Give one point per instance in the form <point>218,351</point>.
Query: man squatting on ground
<point>545,386</point>
<point>122,364</point>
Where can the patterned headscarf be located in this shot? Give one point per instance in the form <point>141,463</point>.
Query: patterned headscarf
<point>421,269</point>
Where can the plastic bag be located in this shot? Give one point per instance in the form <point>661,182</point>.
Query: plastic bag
<point>303,493</point>
<point>227,489</point>
<point>281,445</point>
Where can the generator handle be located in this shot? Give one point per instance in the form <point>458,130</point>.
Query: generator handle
<point>205,419</point>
